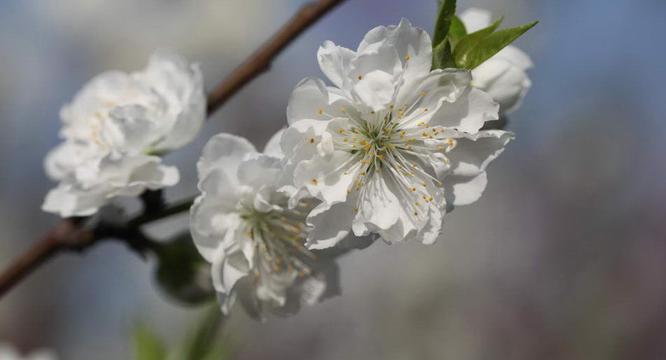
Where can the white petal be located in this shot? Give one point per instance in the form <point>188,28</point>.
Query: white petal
<point>61,161</point>
<point>258,171</point>
<point>469,160</point>
<point>432,230</point>
<point>181,85</point>
<point>153,175</point>
<point>308,101</point>
<point>380,56</point>
<point>505,82</point>
<point>331,224</point>
<point>515,56</point>
<point>468,113</point>
<point>375,89</point>
<point>130,128</point>
<point>130,175</point>
<point>466,190</point>
<point>476,19</point>
<point>235,267</point>
<point>300,139</point>
<point>334,61</point>
<point>272,147</point>
<point>412,45</point>
<point>327,178</point>
<point>419,99</point>
<point>67,202</point>
<point>227,269</point>
<point>225,151</point>
<point>102,92</point>
<point>381,211</point>
<point>217,260</point>
<point>472,155</point>
<point>213,216</point>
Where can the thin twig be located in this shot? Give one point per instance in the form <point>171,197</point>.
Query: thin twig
<point>172,209</point>
<point>67,233</point>
<point>70,233</point>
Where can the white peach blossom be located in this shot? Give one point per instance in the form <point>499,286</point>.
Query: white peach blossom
<point>243,225</point>
<point>115,129</point>
<point>392,145</point>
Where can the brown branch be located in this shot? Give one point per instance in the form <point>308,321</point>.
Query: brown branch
<point>70,234</point>
<point>67,234</point>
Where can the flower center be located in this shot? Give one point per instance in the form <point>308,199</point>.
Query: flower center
<point>279,238</point>
<point>404,152</point>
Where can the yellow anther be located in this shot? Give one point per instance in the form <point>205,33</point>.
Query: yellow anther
<point>314,181</point>
<point>360,77</point>
<point>407,57</point>
<point>321,111</point>
<point>311,141</point>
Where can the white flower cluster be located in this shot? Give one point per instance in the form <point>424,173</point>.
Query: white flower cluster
<point>115,129</point>
<point>384,151</point>
<point>250,225</point>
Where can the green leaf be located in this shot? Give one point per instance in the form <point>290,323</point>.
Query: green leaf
<point>457,31</point>
<point>469,41</point>
<point>442,57</point>
<point>445,14</point>
<point>478,50</point>
<point>147,346</point>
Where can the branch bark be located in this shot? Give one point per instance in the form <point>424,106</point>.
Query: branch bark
<point>71,235</point>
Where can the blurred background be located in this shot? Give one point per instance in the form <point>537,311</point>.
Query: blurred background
<point>564,257</point>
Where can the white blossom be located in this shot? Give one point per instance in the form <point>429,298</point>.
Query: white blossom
<point>392,145</point>
<point>116,127</point>
<point>7,352</point>
<point>503,76</point>
<point>242,223</point>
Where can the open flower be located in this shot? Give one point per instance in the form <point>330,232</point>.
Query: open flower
<point>242,223</point>
<point>114,130</point>
<point>7,352</point>
<point>392,145</point>
<point>503,76</point>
